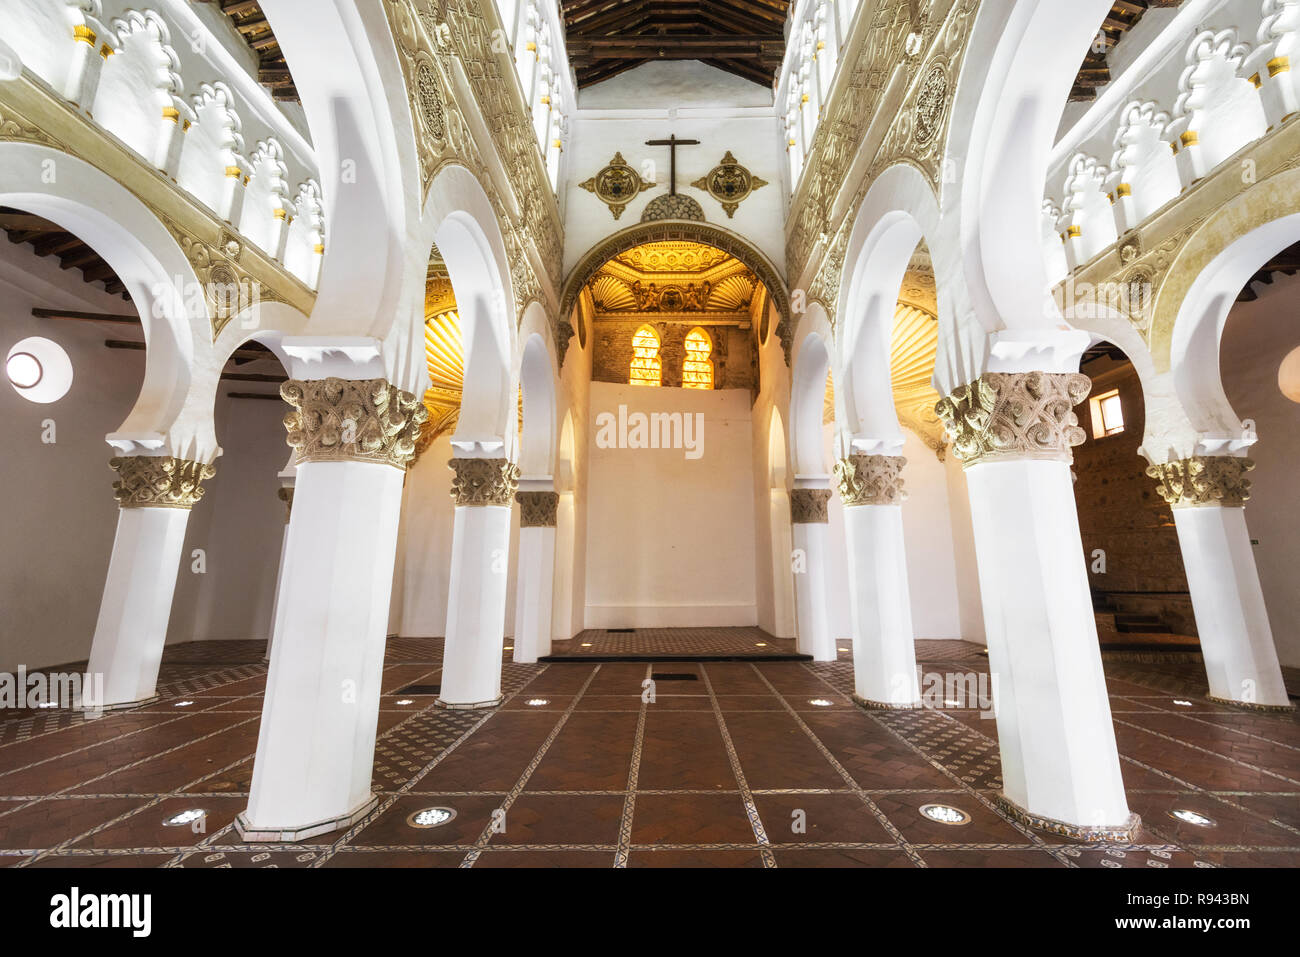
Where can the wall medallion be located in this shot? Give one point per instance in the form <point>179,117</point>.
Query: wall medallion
<point>729,183</point>
<point>616,185</point>
<point>930,103</point>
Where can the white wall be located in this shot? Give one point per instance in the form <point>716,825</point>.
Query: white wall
<point>692,101</point>
<point>670,539</point>
<point>1257,337</point>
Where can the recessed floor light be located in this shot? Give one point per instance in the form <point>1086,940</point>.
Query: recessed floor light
<point>47,704</point>
<point>185,817</point>
<point>1181,703</point>
<point>760,644</point>
<point>843,650</point>
<point>182,704</point>
<point>537,702</point>
<point>431,817</point>
<point>949,702</point>
<point>821,703</point>
<point>405,701</point>
<point>509,647</point>
<point>945,814</point>
<point>586,644</point>
<point>1191,817</point>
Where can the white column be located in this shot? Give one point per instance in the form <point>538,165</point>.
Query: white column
<point>1208,495</point>
<point>1060,764</point>
<point>536,574</point>
<point>808,513</point>
<point>155,494</point>
<point>476,600</point>
<point>277,607</point>
<point>315,748</point>
<point>565,552</point>
<point>880,604</point>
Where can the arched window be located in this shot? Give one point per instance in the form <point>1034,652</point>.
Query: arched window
<point>697,368</point>
<point>646,368</point>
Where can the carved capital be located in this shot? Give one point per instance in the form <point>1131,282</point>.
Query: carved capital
<point>870,480</point>
<point>483,481</point>
<point>347,420</point>
<point>537,509</point>
<point>286,495</point>
<point>1015,415</point>
<point>1204,480</point>
<point>159,481</point>
<point>808,506</point>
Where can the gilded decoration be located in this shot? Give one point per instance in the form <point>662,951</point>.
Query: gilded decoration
<point>482,482</point>
<point>352,420</point>
<point>159,481</point>
<point>1204,480</point>
<point>537,509</point>
<point>729,183</point>
<point>616,185</point>
<point>870,480</point>
<point>808,506</point>
<point>1020,415</point>
<point>233,274</point>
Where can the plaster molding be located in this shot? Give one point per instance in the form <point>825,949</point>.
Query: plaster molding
<point>870,480</point>
<point>1015,415</point>
<point>1202,481</point>
<point>159,481</point>
<point>483,482</point>
<point>537,509</point>
<point>808,506</point>
<point>352,420</point>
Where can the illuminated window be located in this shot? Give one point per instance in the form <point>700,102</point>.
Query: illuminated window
<point>1107,414</point>
<point>697,369</point>
<point>646,368</point>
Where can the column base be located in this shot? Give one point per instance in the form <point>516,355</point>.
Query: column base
<point>288,835</point>
<point>1253,705</point>
<point>1124,833</point>
<point>472,706</point>
<point>870,705</point>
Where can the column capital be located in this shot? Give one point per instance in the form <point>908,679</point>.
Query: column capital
<point>537,509</point>
<point>286,495</point>
<point>870,480</point>
<point>1015,415</point>
<point>481,482</point>
<point>1204,480</point>
<point>352,420</point>
<point>158,481</point>
<point>808,506</point>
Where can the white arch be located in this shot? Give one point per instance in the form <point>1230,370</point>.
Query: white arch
<point>812,362</point>
<point>150,263</point>
<point>537,378</point>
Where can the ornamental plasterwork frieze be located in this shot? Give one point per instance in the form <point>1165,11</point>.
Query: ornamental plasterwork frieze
<point>1204,480</point>
<point>870,480</point>
<point>159,481</point>
<point>808,506</point>
<point>918,122</point>
<point>483,482</point>
<point>537,509</point>
<point>1020,415</point>
<point>352,420</point>
<point>432,33</point>
<point>234,274</point>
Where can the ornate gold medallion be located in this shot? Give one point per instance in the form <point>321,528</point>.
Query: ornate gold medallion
<point>729,183</point>
<point>616,185</point>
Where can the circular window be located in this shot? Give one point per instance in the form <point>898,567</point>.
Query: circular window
<point>39,370</point>
<point>1288,375</point>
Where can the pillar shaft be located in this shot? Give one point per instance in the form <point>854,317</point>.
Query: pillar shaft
<point>476,601</point>
<point>315,747</point>
<point>1208,495</point>
<point>155,494</point>
<point>535,576</point>
<point>808,514</point>
<point>880,604</point>
<point>1060,763</point>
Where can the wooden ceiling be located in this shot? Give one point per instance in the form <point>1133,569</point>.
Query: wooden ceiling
<point>1123,17</point>
<point>251,22</point>
<point>49,239</point>
<point>606,37</point>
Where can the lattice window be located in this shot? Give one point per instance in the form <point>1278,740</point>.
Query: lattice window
<point>697,368</point>
<point>646,367</point>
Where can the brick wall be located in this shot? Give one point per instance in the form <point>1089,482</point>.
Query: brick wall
<point>1119,510</point>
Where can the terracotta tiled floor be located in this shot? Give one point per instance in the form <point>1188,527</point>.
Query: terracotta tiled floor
<point>733,764</point>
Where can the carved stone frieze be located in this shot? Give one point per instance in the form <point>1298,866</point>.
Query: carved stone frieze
<point>808,506</point>
<point>1204,480</point>
<point>352,420</point>
<point>1021,415</point>
<point>870,480</point>
<point>480,482</point>
<point>158,481</point>
<point>537,509</point>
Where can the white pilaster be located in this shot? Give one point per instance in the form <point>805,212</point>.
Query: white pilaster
<point>535,576</point>
<point>808,514</point>
<point>884,646</point>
